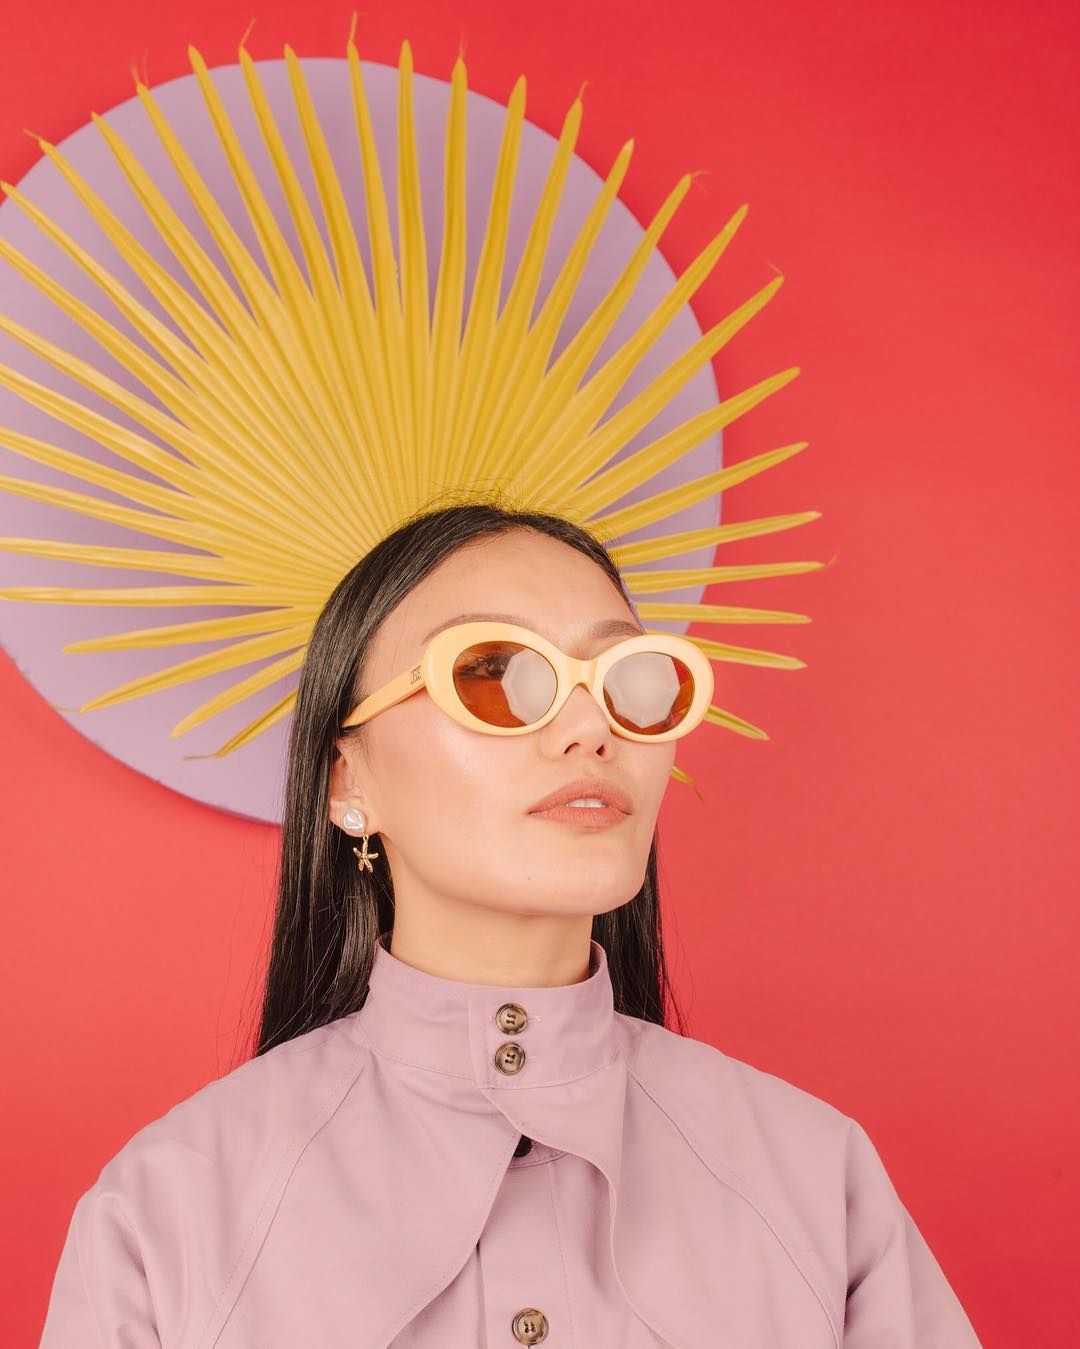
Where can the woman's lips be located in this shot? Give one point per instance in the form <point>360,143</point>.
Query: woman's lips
<point>587,817</point>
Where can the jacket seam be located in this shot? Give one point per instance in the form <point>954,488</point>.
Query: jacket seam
<point>550,1177</point>
<point>302,1136</point>
<point>748,1198</point>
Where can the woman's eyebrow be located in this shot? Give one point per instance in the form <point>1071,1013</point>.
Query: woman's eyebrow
<point>604,627</point>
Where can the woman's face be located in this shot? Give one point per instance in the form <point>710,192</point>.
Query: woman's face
<point>451,805</point>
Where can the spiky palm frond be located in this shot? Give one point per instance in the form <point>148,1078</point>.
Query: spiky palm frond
<point>293,403</point>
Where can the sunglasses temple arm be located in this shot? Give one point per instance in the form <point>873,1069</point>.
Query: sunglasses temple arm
<point>397,690</point>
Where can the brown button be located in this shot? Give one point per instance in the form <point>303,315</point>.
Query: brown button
<point>510,1058</point>
<point>511,1018</point>
<point>530,1326</point>
<point>524,1145</point>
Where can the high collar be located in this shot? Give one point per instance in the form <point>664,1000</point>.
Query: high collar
<point>438,1122</point>
<point>562,1032</point>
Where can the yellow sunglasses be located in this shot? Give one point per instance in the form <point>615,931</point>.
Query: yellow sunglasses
<point>507,680</point>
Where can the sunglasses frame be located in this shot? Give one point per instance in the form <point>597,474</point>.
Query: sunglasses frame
<point>434,672</point>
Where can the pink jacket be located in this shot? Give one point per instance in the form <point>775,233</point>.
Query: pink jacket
<point>358,1187</point>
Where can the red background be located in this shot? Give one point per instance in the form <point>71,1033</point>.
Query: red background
<point>879,904</point>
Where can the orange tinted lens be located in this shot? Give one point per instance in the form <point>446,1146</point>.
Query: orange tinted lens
<point>649,692</point>
<point>504,683</point>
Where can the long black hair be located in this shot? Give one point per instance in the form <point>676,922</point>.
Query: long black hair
<point>329,914</point>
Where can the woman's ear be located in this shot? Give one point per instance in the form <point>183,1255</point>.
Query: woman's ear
<point>346,790</point>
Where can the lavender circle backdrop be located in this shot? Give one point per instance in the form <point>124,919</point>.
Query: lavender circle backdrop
<point>250,781</point>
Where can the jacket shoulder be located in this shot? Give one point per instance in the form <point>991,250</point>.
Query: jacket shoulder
<point>238,1121</point>
<point>814,1179</point>
<point>703,1077</point>
<point>198,1179</point>
<point>781,1147</point>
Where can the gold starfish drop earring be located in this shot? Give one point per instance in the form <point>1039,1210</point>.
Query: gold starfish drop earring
<point>355,821</point>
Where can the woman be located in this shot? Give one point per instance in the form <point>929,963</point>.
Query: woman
<point>465,1122</point>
